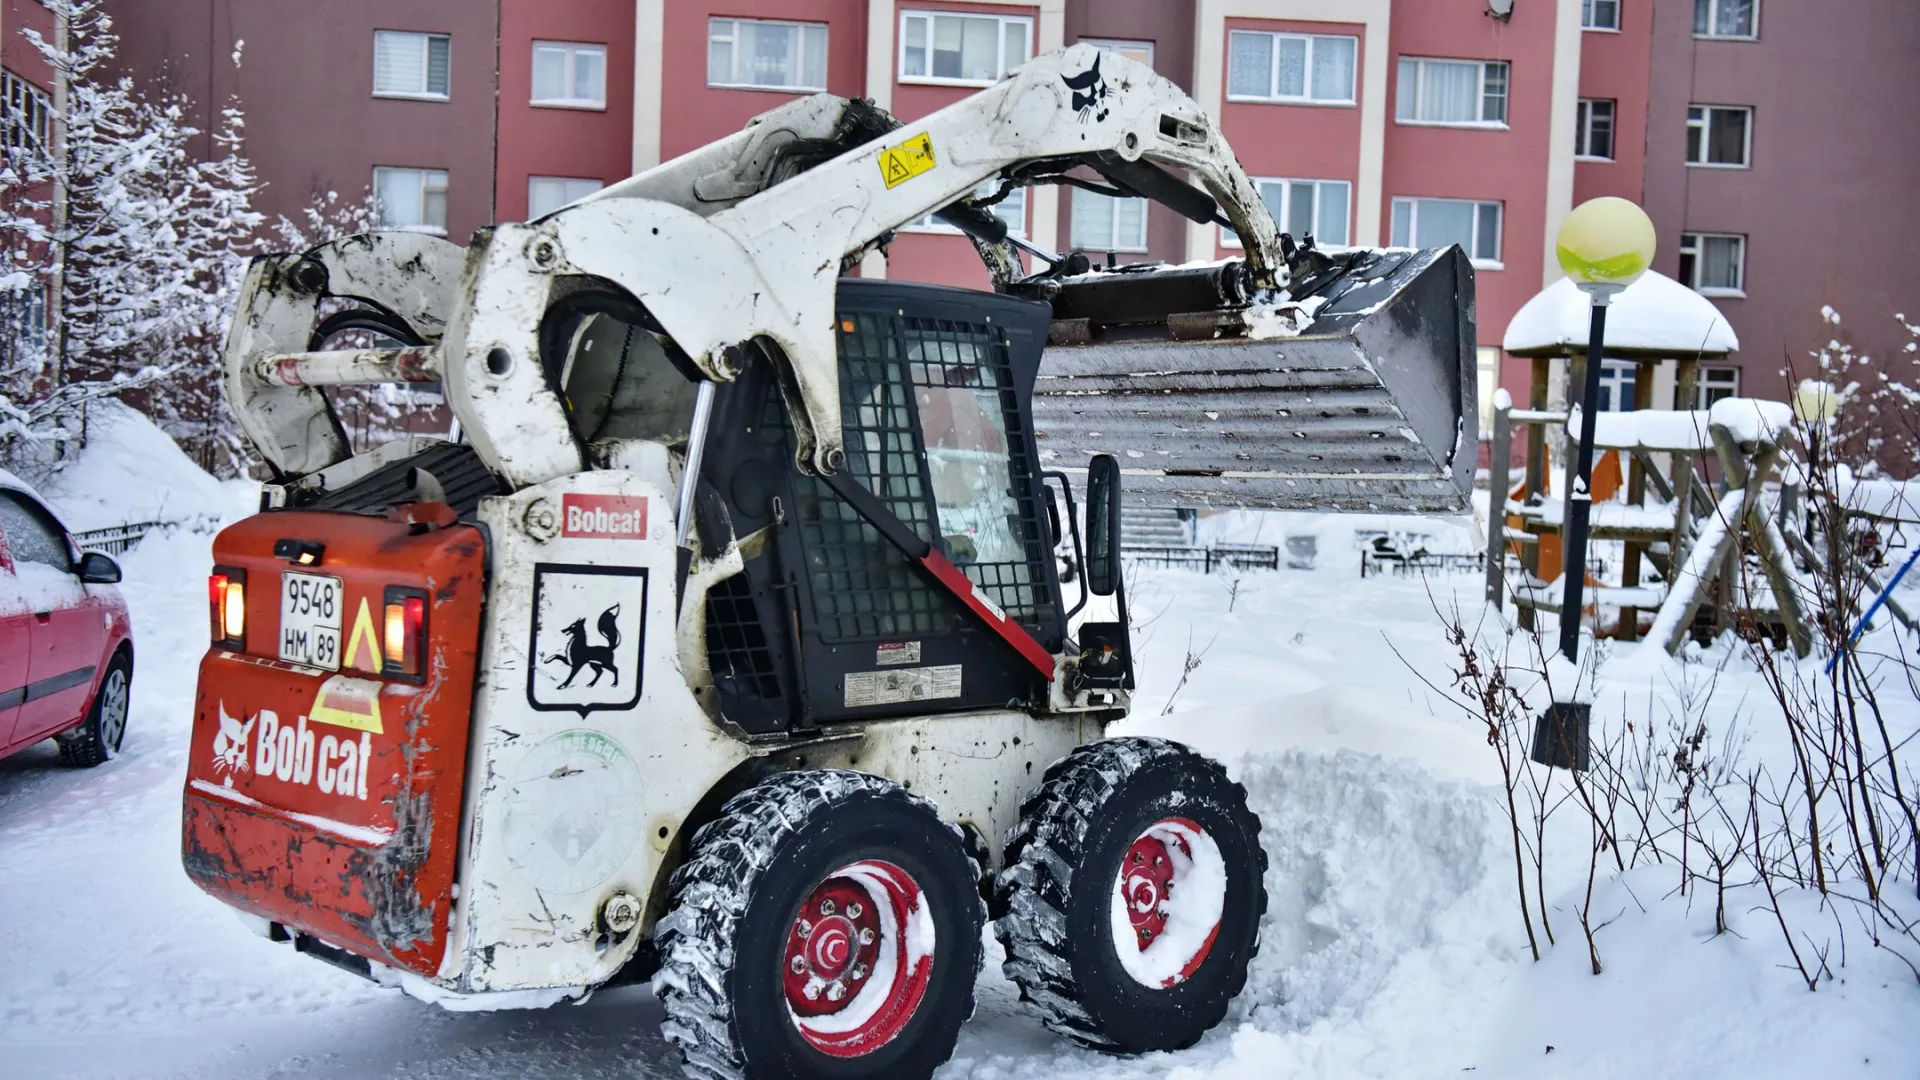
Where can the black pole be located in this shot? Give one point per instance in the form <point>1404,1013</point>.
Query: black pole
<point>1579,500</point>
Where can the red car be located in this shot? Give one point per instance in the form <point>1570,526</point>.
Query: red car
<point>66,646</point>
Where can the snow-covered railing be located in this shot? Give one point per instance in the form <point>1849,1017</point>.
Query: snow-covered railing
<point>1204,559</point>
<point>119,539</point>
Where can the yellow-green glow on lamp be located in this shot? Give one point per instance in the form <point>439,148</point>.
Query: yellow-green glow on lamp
<point>1605,244</point>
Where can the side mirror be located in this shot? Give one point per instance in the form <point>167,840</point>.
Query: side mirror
<point>98,569</point>
<point>1103,525</point>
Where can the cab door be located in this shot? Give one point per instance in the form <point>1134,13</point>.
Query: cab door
<point>16,638</point>
<point>68,631</point>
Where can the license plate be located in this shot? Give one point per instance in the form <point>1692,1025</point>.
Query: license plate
<point>310,619</point>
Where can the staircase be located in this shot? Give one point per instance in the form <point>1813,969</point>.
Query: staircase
<point>1142,526</point>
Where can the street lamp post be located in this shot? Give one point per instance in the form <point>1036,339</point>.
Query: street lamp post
<point>1604,246</point>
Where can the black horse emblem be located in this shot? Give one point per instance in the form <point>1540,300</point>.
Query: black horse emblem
<point>581,655</point>
<point>1089,91</point>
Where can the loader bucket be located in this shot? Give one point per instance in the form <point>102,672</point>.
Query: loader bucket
<point>1367,409</point>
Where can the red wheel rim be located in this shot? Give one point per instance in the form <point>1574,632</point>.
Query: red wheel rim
<point>858,960</point>
<point>1167,903</point>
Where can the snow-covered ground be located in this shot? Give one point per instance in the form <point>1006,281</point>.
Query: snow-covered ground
<point>1393,947</point>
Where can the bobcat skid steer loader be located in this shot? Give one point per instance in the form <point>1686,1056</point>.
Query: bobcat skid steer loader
<point>725,643</point>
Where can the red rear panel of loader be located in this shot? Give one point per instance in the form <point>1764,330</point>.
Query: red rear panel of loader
<point>324,791</point>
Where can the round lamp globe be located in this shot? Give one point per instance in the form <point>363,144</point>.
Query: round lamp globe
<point>1606,241</point>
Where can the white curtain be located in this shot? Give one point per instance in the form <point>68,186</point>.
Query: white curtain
<point>1450,92</point>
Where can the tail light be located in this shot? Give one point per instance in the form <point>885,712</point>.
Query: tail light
<point>404,638</point>
<point>227,606</point>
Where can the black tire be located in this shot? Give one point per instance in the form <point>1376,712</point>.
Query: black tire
<point>732,917</point>
<point>1055,899</point>
<point>98,737</point>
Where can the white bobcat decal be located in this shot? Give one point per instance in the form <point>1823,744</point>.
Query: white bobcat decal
<point>230,745</point>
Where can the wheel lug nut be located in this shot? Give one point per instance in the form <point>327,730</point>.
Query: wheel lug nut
<point>1157,860</point>
<point>836,990</point>
<point>1139,858</point>
<point>854,910</point>
<point>860,971</point>
<point>826,907</point>
<point>866,937</point>
<point>806,929</point>
<point>799,964</point>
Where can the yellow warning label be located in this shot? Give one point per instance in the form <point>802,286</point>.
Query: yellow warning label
<point>363,648</point>
<point>899,164</point>
<point>348,703</point>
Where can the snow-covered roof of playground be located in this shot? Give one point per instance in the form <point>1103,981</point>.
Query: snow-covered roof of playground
<point>1655,316</point>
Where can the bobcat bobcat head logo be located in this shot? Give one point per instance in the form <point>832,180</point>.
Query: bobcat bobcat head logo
<point>230,744</point>
<point>1089,92</point>
<point>582,655</point>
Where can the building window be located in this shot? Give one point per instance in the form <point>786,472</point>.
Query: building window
<point>1726,18</point>
<point>411,65</point>
<point>1012,210</point>
<point>1488,357</point>
<point>1304,207</point>
<point>1600,14</point>
<point>1716,384</point>
<point>1593,132</point>
<point>1431,223</point>
<point>1291,68</point>
<point>1138,51</point>
<point>412,198</point>
<point>29,119</point>
<point>1617,385</point>
<point>1714,264</point>
<point>962,50</point>
<point>569,76</point>
<point>23,313</point>
<point>1472,92</point>
<point>545,194</point>
<point>1719,135</point>
<point>756,54</point>
<point>1102,223</point>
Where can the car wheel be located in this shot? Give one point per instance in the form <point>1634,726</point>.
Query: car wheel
<point>98,737</point>
<point>825,927</point>
<point>1131,904</point>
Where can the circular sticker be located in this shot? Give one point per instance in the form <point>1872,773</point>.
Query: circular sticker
<point>573,812</point>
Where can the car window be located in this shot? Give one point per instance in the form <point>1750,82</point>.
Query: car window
<point>31,537</point>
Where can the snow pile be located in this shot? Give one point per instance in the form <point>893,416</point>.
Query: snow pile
<point>130,471</point>
<point>1282,319</point>
<point>1652,429</point>
<point>1752,419</point>
<point>1655,313</point>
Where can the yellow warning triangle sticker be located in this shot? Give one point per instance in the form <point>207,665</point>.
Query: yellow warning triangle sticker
<point>363,633</point>
<point>348,703</point>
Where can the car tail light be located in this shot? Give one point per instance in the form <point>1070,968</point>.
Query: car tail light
<point>405,632</point>
<point>227,606</point>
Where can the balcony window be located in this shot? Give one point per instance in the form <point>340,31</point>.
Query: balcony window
<point>569,76</point>
<point>1137,51</point>
<point>545,194</point>
<point>1470,93</point>
<point>409,65</point>
<point>1102,223</point>
<point>1593,131</point>
<point>1291,68</point>
<point>1714,264</point>
<point>1726,18</point>
<point>412,199</point>
<point>1719,136</point>
<point>1716,384</point>
<point>962,50</point>
<point>1600,14</point>
<point>757,54</point>
<point>1430,223</point>
<point>1012,210</point>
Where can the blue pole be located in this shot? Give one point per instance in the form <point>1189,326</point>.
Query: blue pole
<point>1861,626</point>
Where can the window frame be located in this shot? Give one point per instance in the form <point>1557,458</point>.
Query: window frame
<point>1693,245</point>
<point>1480,94</point>
<point>1583,129</point>
<point>535,178</point>
<point>1713,34</point>
<point>1705,383</point>
<point>1705,124</point>
<point>1620,381</point>
<point>1587,8</point>
<point>426,66</point>
<point>1413,225</point>
<point>802,25</point>
<point>1026,22</point>
<point>573,49</point>
<point>39,515</point>
<point>35,130</point>
<point>1274,97</point>
<point>1122,46</point>
<point>1487,383</point>
<point>1228,239</point>
<point>927,224</point>
<point>424,172</point>
<point>1146,225</point>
